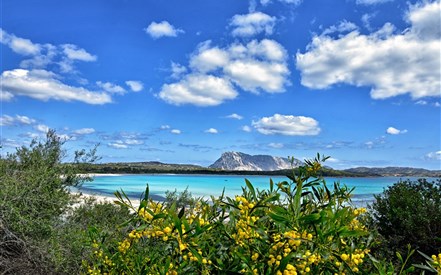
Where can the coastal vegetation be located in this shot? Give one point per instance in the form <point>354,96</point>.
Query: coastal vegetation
<point>303,225</point>
<point>154,167</point>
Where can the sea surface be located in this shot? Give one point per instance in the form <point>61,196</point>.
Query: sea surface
<point>213,185</point>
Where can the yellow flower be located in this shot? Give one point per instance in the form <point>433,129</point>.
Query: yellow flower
<point>344,257</point>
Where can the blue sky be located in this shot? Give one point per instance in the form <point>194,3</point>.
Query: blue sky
<point>184,81</point>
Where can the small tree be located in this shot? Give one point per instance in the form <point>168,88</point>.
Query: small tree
<point>34,194</point>
<point>409,212</point>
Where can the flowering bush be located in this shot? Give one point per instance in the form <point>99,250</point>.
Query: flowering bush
<point>295,227</point>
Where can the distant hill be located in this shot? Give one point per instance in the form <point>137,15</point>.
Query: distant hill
<point>237,161</point>
<point>394,172</point>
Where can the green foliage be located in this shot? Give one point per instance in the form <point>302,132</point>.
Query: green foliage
<point>409,212</point>
<point>34,198</point>
<point>180,199</point>
<point>293,227</point>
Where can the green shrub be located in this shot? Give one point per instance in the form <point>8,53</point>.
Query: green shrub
<point>34,196</point>
<point>294,227</point>
<point>409,212</point>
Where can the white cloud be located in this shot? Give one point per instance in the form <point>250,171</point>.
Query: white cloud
<point>42,55</point>
<point>276,145</point>
<point>42,128</point>
<point>84,131</point>
<point>6,96</point>
<point>198,89</point>
<point>208,59</point>
<point>133,142</point>
<point>437,104</point>
<point>235,116</point>
<point>395,131</point>
<point>165,127</point>
<point>177,70</point>
<point>44,85</point>
<point>287,125</point>
<point>434,155</point>
<point>6,120</point>
<point>246,128</point>
<point>366,19</point>
<point>135,86</point>
<point>392,64</point>
<point>157,30</point>
<point>344,26</point>
<point>175,131</point>
<point>256,66</point>
<point>421,102</point>
<point>19,45</point>
<point>332,160</point>
<point>117,145</point>
<point>371,2</point>
<point>252,24</point>
<point>73,52</point>
<point>211,131</point>
<point>111,88</point>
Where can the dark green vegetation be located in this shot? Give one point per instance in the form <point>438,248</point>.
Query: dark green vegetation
<point>154,167</point>
<point>43,229</point>
<point>40,231</point>
<point>409,213</point>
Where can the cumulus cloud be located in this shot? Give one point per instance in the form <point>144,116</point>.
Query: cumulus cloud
<point>395,131</point>
<point>111,88</point>
<point>135,86</point>
<point>287,125</point>
<point>45,85</point>
<point>433,155</point>
<point>211,131</point>
<point>235,116</point>
<point>391,63</point>
<point>42,55</point>
<point>209,59</point>
<point>177,70</point>
<point>73,52</point>
<point>175,131</point>
<point>161,29</point>
<point>84,131</point>
<point>251,24</point>
<point>19,45</point>
<point>198,89</point>
<point>6,120</point>
<point>255,66</point>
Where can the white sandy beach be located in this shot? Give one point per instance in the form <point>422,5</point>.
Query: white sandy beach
<point>100,198</point>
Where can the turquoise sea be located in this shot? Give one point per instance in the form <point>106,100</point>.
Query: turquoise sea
<point>207,185</point>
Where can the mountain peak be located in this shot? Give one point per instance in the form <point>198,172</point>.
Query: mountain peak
<point>238,161</point>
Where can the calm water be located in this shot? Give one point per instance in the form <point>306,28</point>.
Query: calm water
<point>206,185</point>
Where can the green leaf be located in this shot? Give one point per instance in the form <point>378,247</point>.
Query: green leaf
<point>278,218</point>
<point>310,218</point>
<point>399,256</point>
<point>251,188</point>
